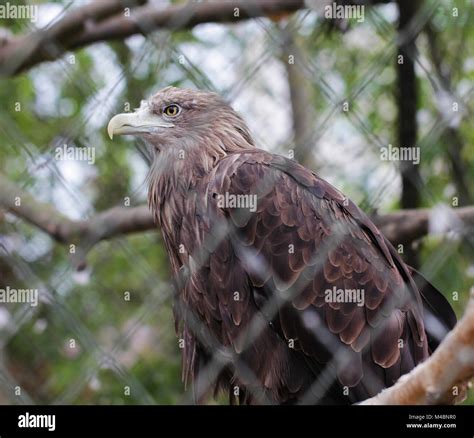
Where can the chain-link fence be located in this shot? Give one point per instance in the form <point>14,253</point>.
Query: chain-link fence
<point>322,90</point>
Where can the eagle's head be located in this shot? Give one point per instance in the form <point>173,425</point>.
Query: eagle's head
<point>185,119</point>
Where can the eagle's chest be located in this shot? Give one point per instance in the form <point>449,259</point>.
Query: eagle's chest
<point>180,219</point>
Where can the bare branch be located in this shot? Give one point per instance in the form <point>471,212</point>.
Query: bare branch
<point>24,51</point>
<point>402,226</point>
<point>105,20</point>
<point>441,378</point>
<point>102,21</point>
<point>22,204</point>
<point>406,226</point>
<point>85,233</point>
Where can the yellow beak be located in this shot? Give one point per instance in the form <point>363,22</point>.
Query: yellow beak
<point>142,121</point>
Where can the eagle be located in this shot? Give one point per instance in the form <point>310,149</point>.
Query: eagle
<point>281,280</point>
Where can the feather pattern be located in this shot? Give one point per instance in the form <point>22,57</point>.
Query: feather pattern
<point>304,238</point>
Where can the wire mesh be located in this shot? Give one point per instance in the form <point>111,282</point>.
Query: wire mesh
<point>109,356</point>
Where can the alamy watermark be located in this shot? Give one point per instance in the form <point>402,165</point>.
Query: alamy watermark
<point>36,421</point>
<point>229,200</point>
<point>335,11</point>
<point>71,153</point>
<point>336,295</point>
<point>9,11</point>
<point>390,153</point>
<point>10,295</point>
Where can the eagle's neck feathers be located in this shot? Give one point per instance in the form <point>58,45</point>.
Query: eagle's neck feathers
<point>178,168</point>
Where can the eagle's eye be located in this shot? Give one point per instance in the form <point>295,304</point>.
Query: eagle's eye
<point>171,110</point>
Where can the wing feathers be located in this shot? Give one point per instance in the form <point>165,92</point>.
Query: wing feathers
<point>307,240</point>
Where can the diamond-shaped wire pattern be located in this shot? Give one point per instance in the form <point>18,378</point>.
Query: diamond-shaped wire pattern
<point>88,349</point>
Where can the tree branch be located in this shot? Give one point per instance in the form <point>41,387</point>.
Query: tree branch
<point>406,226</point>
<point>105,20</point>
<point>102,21</point>
<point>441,379</point>
<point>27,50</point>
<point>402,226</point>
<point>23,205</point>
<point>84,233</point>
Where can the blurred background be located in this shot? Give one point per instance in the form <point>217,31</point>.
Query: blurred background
<point>331,91</point>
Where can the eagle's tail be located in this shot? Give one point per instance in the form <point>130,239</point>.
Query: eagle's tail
<point>438,315</point>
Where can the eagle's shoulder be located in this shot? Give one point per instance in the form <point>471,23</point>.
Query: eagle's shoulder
<point>258,172</point>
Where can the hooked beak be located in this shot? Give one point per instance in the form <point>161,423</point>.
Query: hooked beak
<point>142,121</point>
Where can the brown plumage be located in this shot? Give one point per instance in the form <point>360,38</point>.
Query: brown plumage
<point>303,238</point>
